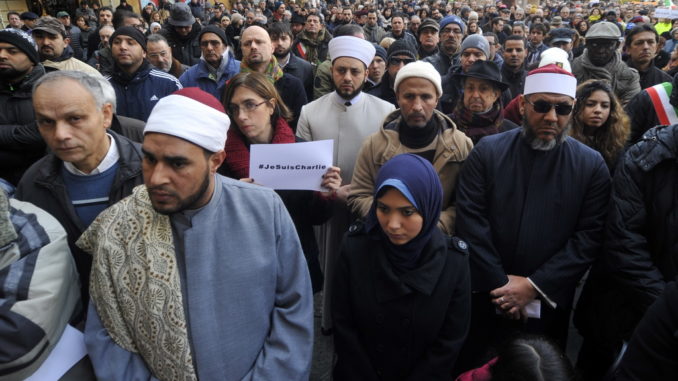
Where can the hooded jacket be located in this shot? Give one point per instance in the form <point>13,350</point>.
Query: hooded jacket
<point>185,49</point>
<point>625,81</point>
<point>199,75</point>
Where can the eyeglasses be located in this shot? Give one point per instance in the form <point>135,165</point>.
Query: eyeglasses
<point>543,107</point>
<point>248,106</point>
<point>398,61</point>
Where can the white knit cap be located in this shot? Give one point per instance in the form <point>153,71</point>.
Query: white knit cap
<point>555,56</point>
<point>419,69</point>
<point>193,115</point>
<point>550,79</point>
<point>354,47</point>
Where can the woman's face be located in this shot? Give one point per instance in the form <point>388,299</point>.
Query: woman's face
<point>80,22</point>
<point>398,218</point>
<point>472,28</point>
<point>225,21</point>
<point>596,109</point>
<point>252,114</point>
<point>155,17</point>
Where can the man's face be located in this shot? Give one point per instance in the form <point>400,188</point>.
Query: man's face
<point>479,95</point>
<point>281,45</point>
<point>417,99</point>
<point>105,18</point>
<point>281,9</point>
<point>372,19</point>
<point>601,51</point>
<point>611,17</point>
<point>13,62</point>
<point>256,46</point>
<point>469,56</point>
<point>71,124</point>
<point>348,15</point>
<point>177,174</point>
<point>349,76</point>
<point>249,18</point>
<point>519,15</point>
<point>643,48</point>
<point>127,53</point>
<point>514,54</point>
<point>436,15</point>
<point>493,46</point>
<point>66,20</point>
<point>565,13</point>
<point>376,69</point>
<point>14,21</point>
<point>428,39</point>
<point>212,48</point>
<point>450,38</point>
<point>29,23</point>
<point>396,63</point>
<point>105,35</point>
<point>50,46</point>
<point>518,30</point>
<point>565,45</point>
<point>545,130</point>
<point>499,26</point>
<point>397,25</point>
<point>505,15</point>
<point>536,37</point>
<point>159,55</point>
<point>414,24</point>
<point>183,31</point>
<point>312,24</point>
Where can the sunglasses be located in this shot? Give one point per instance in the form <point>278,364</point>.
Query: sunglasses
<point>398,61</point>
<point>543,107</point>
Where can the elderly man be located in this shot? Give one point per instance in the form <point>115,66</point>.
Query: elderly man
<point>217,64</point>
<point>601,60</point>
<point>311,43</point>
<point>234,302</point>
<point>257,55</point>
<point>428,38</point>
<point>138,86</point>
<point>474,48</point>
<point>159,54</point>
<point>529,252</point>
<point>20,142</point>
<point>182,32</point>
<point>105,18</point>
<point>347,116</point>
<point>89,167</point>
<point>53,42</point>
<point>416,127</point>
<point>452,30</point>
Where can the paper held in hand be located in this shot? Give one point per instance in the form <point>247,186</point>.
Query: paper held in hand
<point>294,166</point>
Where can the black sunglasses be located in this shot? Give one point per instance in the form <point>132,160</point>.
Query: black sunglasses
<point>397,61</point>
<point>543,107</point>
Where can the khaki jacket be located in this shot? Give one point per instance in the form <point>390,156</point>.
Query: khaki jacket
<point>452,148</point>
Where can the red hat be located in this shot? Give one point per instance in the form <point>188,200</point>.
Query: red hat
<point>550,79</point>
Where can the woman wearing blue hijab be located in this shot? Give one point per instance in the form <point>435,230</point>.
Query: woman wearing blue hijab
<point>402,293</point>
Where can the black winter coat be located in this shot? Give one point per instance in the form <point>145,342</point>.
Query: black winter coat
<point>407,327</point>
<point>303,71</point>
<point>185,49</point>
<point>20,141</point>
<point>292,92</point>
<point>43,186</point>
<point>384,91</point>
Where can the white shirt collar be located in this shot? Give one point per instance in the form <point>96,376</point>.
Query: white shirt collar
<point>109,160</point>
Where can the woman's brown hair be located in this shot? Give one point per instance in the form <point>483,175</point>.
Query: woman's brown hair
<point>263,87</point>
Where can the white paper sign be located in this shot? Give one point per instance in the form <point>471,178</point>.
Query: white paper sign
<point>295,166</point>
<point>665,13</point>
<point>69,350</point>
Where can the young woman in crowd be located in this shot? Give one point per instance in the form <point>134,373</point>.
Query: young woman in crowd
<point>259,116</point>
<point>473,28</point>
<point>582,27</point>
<point>599,121</point>
<point>402,293</point>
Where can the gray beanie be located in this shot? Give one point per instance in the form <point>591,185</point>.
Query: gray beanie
<point>476,41</point>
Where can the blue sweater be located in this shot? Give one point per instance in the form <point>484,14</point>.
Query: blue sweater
<point>89,194</point>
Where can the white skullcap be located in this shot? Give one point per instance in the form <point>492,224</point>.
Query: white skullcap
<point>419,69</point>
<point>556,56</point>
<point>550,79</point>
<point>193,115</point>
<point>354,47</point>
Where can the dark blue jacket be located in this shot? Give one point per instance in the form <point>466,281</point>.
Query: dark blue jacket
<point>199,76</point>
<point>137,95</point>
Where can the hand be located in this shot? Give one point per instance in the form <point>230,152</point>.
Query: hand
<point>512,298</point>
<point>343,191</point>
<point>331,180</point>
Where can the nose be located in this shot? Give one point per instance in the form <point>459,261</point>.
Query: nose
<point>551,115</point>
<point>62,132</point>
<point>156,174</point>
<point>393,223</point>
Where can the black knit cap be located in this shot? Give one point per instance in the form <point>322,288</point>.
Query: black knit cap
<point>216,30</point>
<point>132,32</point>
<point>402,47</point>
<point>22,41</point>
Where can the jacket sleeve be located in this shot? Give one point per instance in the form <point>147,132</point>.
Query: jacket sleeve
<point>438,361</point>
<point>17,137</point>
<point>473,224</point>
<point>109,360</point>
<point>569,264</point>
<point>631,83</point>
<point>322,83</point>
<point>362,183</point>
<point>287,351</point>
<point>353,362</point>
<point>627,249</point>
<point>448,218</point>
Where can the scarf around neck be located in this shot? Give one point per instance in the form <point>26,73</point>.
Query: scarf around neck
<point>238,149</point>
<point>477,125</point>
<point>273,71</point>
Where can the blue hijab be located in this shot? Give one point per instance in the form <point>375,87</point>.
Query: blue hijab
<point>418,181</point>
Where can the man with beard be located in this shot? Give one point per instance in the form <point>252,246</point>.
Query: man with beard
<point>373,32</point>
<point>138,86</point>
<point>428,38</point>
<point>55,52</point>
<point>181,32</point>
<point>452,30</point>
<point>159,54</point>
<point>347,116</point>
<point>281,38</point>
<point>232,301</point>
<point>513,71</point>
<point>527,253</point>
<point>311,43</point>
<point>20,141</point>
<point>601,60</point>
<point>105,18</point>
<point>217,64</point>
<point>257,55</point>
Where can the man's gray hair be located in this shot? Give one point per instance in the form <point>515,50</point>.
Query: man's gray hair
<point>156,37</point>
<point>98,87</point>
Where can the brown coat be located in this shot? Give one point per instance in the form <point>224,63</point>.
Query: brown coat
<point>452,148</point>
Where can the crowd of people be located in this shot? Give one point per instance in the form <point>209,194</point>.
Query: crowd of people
<point>489,161</point>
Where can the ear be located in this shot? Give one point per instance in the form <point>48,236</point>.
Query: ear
<point>107,111</point>
<point>521,104</point>
<point>215,161</point>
